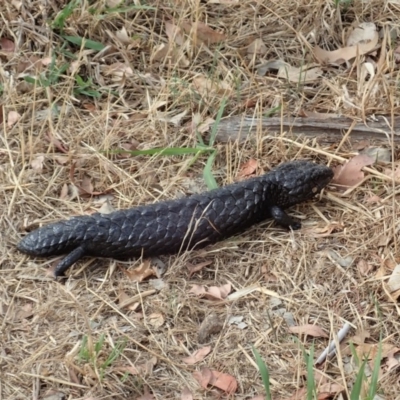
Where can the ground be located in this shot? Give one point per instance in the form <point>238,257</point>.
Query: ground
<point>165,74</point>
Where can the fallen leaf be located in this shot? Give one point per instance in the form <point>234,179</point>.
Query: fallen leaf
<point>186,394</point>
<point>143,369</point>
<point>118,71</point>
<point>106,208</point>
<point>303,74</point>
<point>248,169</point>
<point>12,118</point>
<point>198,267</point>
<point>25,311</point>
<point>328,390</point>
<point>395,174</point>
<point>257,46</point>
<point>126,301</point>
<point>174,33</point>
<point>393,358</point>
<point>156,320</point>
<point>364,267</point>
<point>203,32</point>
<point>7,45</point>
<point>37,163</point>
<point>173,119</point>
<point>218,292</point>
<point>344,54</point>
<point>123,37</point>
<point>308,329</point>
<point>197,356</point>
<point>394,280</point>
<point>206,86</point>
<point>198,290</point>
<point>363,33</point>
<point>221,380</point>
<point>350,174</point>
<point>211,325</point>
<point>86,185</point>
<point>142,272</point>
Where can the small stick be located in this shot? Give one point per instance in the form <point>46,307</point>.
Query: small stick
<point>331,349</point>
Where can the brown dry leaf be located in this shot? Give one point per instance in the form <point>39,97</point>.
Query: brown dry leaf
<point>206,86</point>
<point>346,53</point>
<point>118,71</point>
<point>371,350</point>
<point>126,301</point>
<point>303,74</point>
<point>364,267</point>
<point>328,390</point>
<point>393,283</point>
<point>7,45</point>
<point>392,361</point>
<point>222,381</point>
<point>363,33</point>
<point>198,290</point>
<point>186,394</point>
<point>393,174</point>
<point>197,356</point>
<point>257,46</point>
<point>140,369</point>
<point>350,174</point>
<point>156,320</point>
<point>123,37</point>
<point>374,199</point>
<point>64,191</point>
<point>248,169</point>
<point>86,185</point>
<point>37,163</point>
<point>142,272</point>
<point>258,397</point>
<point>327,230</point>
<point>174,33</point>
<point>12,118</point>
<point>56,143</point>
<point>360,336</point>
<point>219,292</point>
<point>198,267</point>
<point>309,329</point>
<point>203,32</point>
<point>25,311</point>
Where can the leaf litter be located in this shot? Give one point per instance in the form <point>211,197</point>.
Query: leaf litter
<point>142,74</point>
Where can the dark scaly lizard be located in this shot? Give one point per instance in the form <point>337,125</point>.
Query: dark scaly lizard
<point>171,226</point>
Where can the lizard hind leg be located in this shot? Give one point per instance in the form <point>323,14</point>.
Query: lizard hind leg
<point>68,260</point>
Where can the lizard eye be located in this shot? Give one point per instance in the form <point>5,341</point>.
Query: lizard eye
<point>315,189</point>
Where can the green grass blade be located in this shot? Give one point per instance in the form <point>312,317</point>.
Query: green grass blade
<point>99,344</point>
<point>375,373</point>
<point>64,14</point>
<point>214,129</point>
<point>87,43</point>
<point>311,389</point>
<point>357,388</point>
<point>263,372</point>
<point>207,172</point>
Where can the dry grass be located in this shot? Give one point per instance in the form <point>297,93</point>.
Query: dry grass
<point>44,322</point>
